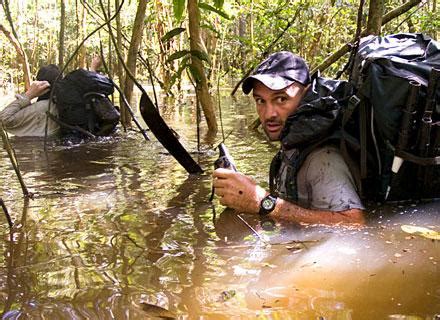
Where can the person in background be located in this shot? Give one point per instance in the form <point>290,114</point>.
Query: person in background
<point>26,115</point>
<point>321,190</point>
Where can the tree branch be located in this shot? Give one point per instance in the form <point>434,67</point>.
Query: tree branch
<point>346,47</point>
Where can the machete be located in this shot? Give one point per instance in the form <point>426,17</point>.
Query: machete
<point>165,136</point>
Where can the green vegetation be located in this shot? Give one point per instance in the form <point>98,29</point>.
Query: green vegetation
<point>235,35</point>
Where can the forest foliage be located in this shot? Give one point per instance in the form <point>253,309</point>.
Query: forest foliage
<point>236,34</point>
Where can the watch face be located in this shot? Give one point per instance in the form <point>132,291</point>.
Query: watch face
<point>267,204</point>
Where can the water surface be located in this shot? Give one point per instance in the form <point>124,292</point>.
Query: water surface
<point>117,227</point>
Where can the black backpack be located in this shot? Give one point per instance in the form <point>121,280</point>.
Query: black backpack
<point>397,82</point>
<point>388,113</point>
<point>82,101</point>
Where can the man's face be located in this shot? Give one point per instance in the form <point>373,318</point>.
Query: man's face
<point>274,106</point>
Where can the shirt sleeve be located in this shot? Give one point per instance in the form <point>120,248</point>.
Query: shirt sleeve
<point>325,182</point>
<point>10,115</point>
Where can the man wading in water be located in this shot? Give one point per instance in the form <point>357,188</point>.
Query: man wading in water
<point>321,189</point>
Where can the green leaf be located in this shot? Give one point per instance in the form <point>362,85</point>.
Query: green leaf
<point>219,3</point>
<point>421,231</point>
<point>172,33</point>
<point>177,55</point>
<point>178,8</point>
<point>201,55</point>
<point>195,74</point>
<point>178,74</point>
<point>208,7</point>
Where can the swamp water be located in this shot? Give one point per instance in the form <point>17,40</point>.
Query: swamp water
<point>118,230</point>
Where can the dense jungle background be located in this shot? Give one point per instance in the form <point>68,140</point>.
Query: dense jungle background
<point>173,44</point>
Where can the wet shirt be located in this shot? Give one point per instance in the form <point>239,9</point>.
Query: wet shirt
<point>324,181</point>
<point>23,118</point>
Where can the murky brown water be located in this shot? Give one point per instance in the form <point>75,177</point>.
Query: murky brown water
<point>117,224</point>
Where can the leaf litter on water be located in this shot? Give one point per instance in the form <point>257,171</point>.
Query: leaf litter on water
<point>421,231</point>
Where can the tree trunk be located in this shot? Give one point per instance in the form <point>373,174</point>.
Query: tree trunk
<point>61,34</point>
<point>163,47</point>
<point>135,43</point>
<point>82,63</point>
<point>120,69</point>
<point>242,34</point>
<point>375,13</point>
<point>21,55</point>
<point>202,90</point>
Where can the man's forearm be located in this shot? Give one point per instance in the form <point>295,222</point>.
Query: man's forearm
<point>289,211</point>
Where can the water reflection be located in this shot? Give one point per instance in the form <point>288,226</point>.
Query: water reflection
<point>117,222</point>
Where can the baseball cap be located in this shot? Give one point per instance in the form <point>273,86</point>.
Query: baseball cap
<point>278,71</point>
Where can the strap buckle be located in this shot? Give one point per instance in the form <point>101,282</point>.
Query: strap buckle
<point>353,101</point>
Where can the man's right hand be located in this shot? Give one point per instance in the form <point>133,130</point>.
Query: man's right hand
<point>237,191</point>
<point>37,89</point>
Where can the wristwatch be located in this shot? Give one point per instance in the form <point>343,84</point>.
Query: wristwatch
<point>267,205</point>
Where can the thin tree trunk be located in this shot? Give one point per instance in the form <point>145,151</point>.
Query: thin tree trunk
<point>375,13</point>
<point>109,56</point>
<point>202,90</point>
<point>13,38</point>
<point>21,56</point>
<point>125,115</point>
<point>135,43</point>
<point>82,61</point>
<point>61,34</point>
<point>163,47</point>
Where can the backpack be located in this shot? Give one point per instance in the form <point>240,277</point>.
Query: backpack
<point>385,120</point>
<point>397,83</point>
<point>81,98</point>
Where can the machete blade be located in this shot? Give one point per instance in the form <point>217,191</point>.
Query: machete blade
<point>165,136</point>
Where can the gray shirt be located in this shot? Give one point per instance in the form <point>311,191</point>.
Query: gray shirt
<point>324,181</point>
<point>23,118</point>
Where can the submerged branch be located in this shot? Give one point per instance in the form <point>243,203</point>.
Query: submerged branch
<point>5,210</point>
<point>11,153</point>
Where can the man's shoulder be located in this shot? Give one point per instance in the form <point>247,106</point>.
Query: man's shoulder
<point>324,154</point>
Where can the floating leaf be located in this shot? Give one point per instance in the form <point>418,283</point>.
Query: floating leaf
<point>156,311</point>
<point>172,33</point>
<point>265,264</point>
<point>421,231</point>
<point>226,295</point>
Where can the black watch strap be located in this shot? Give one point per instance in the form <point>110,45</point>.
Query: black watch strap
<point>267,205</point>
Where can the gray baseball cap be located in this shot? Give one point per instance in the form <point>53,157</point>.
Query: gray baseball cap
<point>278,71</point>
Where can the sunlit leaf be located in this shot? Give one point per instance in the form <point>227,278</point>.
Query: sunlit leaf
<point>219,3</point>
<point>177,55</point>
<point>421,231</point>
<point>172,33</point>
<point>178,8</point>
<point>178,74</point>
<point>208,7</point>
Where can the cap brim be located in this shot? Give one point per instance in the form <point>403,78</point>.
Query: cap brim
<point>272,82</point>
